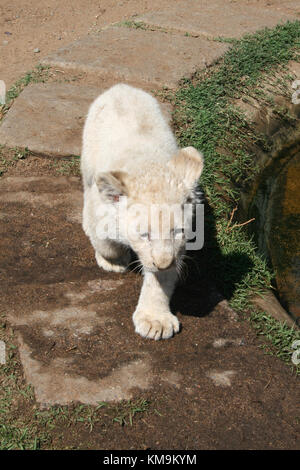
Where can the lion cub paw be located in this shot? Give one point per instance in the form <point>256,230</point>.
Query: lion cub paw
<point>155,325</point>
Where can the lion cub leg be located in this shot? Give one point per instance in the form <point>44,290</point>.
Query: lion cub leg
<point>152,317</point>
<point>112,256</point>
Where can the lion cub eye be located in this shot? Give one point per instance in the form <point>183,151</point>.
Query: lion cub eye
<point>145,236</point>
<point>178,232</point>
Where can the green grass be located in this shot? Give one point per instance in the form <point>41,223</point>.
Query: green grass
<point>68,166</point>
<point>280,336</point>
<point>38,75</point>
<point>126,411</point>
<point>10,157</point>
<point>17,428</point>
<point>140,25</point>
<point>207,118</point>
<point>133,24</point>
<point>25,426</point>
<point>122,413</point>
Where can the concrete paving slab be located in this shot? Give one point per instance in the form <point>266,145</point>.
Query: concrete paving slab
<point>219,18</point>
<point>152,59</point>
<point>291,6</point>
<point>48,118</point>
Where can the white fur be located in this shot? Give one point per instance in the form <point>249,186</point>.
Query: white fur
<point>111,137</point>
<point>129,149</point>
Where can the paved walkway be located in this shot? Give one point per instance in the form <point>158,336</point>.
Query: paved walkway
<point>73,321</point>
<point>153,51</point>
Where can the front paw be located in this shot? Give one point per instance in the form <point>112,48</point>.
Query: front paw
<point>155,325</point>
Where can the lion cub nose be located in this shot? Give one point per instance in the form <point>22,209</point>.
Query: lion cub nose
<point>164,263</point>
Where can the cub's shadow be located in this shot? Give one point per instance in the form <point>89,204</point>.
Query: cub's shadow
<point>210,274</point>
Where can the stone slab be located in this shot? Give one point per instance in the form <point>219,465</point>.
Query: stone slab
<point>219,18</point>
<point>269,303</point>
<point>291,6</point>
<point>48,118</point>
<point>154,59</point>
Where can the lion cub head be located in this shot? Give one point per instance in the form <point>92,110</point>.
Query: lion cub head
<point>151,210</point>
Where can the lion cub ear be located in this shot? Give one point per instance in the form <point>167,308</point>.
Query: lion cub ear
<point>112,185</point>
<point>188,165</point>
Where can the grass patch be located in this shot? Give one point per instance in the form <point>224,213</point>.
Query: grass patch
<point>67,166</point>
<point>18,428</point>
<point>10,157</point>
<point>24,426</point>
<point>280,336</point>
<point>206,118</point>
<point>133,24</point>
<point>39,74</point>
<point>141,25</point>
<point>90,416</point>
<point>126,411</point>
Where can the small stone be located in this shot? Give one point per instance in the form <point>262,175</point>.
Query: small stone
<point>36,50</point>
<point>4,43</point>
<point>2,92</point>
<point>221,378</point>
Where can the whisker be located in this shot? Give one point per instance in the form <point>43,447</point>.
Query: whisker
<point>182,269</point>
<point>134,261</point>
<point>138,268</point>
<point>141,269</point>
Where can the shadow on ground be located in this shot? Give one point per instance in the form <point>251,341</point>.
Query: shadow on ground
<point>210,276</point>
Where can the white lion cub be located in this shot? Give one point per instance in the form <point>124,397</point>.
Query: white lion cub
<point>130,154</point>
